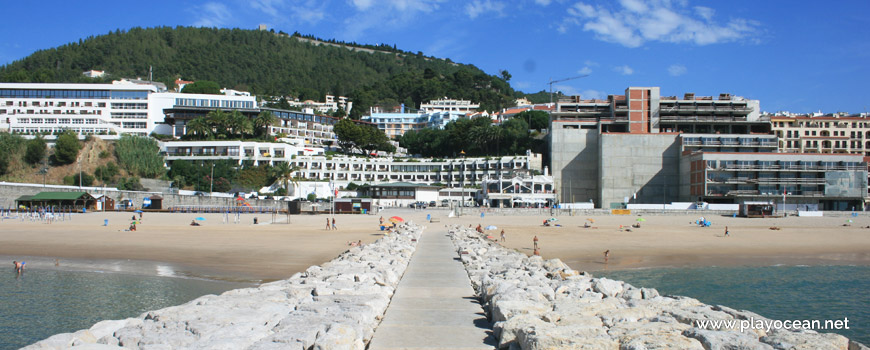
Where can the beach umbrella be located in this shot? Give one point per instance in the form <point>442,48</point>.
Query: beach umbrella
<point>641,219</point>
<point>137,211</point>
<point>849,221</point>
<point>552,219</point>
<point>200,218</point>
<point>491,227</point>
<point>396,219</point>
<point>591,220</point>
<point>490,237</point>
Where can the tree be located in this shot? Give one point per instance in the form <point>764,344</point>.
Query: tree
<point>35,151</point>
<point>239,124</point>
<point>199,128</point>
<point>348,133</point>
<point>86,179</point>
<point>4,164</point>
<point>283,172</point>
<point>262,123</point>
<point>67,147</point>
<point>202,87</point>
<point>537,120</point>
<point>504,75</point>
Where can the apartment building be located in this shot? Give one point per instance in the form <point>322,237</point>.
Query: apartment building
<point>626,148</point>
<point>397,124</point>
<point>823,133</point>
<point>124,107</point>
<point>793,181</point>
<point>313,165</point>
<point>84,108</point>
<point>449,105</point>
<point>520,190</point>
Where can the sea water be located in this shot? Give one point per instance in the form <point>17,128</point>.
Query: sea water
<point>43,302</point>
<point>776,292</point>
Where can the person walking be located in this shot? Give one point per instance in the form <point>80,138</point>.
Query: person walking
<point>333,224</point>
<point>382,221</point>
<point>535,241</point>
<point>502,235</point>
<point>327,224</point>
<point>606,256</point>
<point>726,231</point>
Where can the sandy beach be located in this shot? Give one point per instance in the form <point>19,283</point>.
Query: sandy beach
<point>276,250</point>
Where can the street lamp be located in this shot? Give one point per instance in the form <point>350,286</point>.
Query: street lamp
<point>462,179</point>
<point>211,185</point>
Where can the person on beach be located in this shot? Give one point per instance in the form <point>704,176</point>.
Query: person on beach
<point>382,221</point>
<point>606,255</point>
<point>537,252</point>
<point>56,262</point>
<point>133,218</point>
<point>502,235</point>
<point>327,224</point>
<point>726,231</point>
<point>535,241</point>
<point>17,266</point>
<point>333,224</point>
<point>140,215</point>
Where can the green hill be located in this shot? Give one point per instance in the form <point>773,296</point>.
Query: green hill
<point>266,63</point>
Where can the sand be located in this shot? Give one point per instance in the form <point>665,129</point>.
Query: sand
<point>270,251</point>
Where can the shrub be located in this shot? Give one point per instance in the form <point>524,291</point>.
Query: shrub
<point>35,151</point>
<point>140,156</point>
<point>86,179</point>
<point>104,154</point>
<point>66,150</point>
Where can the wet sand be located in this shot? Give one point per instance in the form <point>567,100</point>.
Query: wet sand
<point>269,251</point>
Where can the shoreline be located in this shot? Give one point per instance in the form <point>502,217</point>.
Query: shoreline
<point>249,253</point>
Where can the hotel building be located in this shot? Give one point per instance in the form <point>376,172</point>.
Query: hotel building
<point>823,134</point>
<point>121,108</point>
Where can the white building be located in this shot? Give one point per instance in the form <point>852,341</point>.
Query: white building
<point>449,105</point>
<point>396,124</point>
<point>84,108</point>
<point>519,191</point>
<point>124,107</point>
<point>179,108</point>
<point>256,152</point>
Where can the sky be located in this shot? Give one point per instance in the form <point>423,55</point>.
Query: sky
<point>799,56</point>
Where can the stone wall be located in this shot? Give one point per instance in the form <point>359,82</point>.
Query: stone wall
<point>336,305</point>
<point>537,304</point>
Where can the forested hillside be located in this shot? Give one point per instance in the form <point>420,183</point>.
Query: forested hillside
<point>265,63</point>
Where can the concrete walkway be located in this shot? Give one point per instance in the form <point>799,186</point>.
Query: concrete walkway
<point>434,306</point>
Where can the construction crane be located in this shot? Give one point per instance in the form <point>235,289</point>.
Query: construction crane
<point>561,80</point>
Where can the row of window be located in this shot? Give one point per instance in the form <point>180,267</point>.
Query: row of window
<point>820,124</point>
<point>129,115</point>
<point>290,115</point>
<point>129,105</point>
<point>57,121</point>
<point>88,94</point>
<point>200,102</point>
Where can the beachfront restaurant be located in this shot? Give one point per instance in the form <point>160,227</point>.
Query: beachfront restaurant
<point>58,200</point>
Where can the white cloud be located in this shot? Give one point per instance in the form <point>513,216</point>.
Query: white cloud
<point>634,22</point>
<point>593,94</point>
<point>212,14</point>
<point>676,70</point>
<point>477,7</point>
<point>385,14</point>
<point>566,90</point>
<point>624,70</point>
<point>283,11</point>
<point>585,70</point>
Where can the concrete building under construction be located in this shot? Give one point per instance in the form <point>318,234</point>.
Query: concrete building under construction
<point>628,149</point>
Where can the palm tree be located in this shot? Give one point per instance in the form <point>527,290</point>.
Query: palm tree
<point>198,127</point>
<point>218,121</point>
<point>262,122</point>
<point>283,172</point>
<point>237,124</point>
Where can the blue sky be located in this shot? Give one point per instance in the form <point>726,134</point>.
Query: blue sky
<point>799,56</point>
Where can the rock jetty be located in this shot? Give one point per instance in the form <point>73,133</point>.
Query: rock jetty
<point>543,304</point>
<point>333,306</point>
